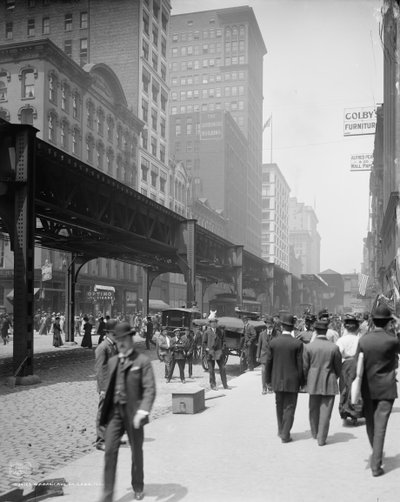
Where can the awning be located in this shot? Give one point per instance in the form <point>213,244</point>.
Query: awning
<point>158,305</point>
<point>10,295</point>
<point>99,287</point>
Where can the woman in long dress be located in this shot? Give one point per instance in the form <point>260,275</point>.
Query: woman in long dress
<point>57,339</point>
<point>87,330</point>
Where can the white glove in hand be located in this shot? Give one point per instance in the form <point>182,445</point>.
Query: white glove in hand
<point>137,419</point>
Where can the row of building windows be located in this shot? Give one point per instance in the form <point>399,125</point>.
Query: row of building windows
<point>196,64</point>
<point>155,11</point>
<point>158,122</point>
<point>34,27</point>
<point>211,92</point>
<point>154,60</point>
<point>157,149</point>
<point>233,47</point>
<point>197,35</point>
<point>207,78</point>
<point>232,106</point>
<point>155,93</point>
<point>157,181</point>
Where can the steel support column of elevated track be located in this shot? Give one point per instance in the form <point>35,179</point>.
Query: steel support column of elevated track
<point>17,173</point>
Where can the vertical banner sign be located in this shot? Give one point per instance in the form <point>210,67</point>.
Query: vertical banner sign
<point>359,121</point>
<point>47,271</point>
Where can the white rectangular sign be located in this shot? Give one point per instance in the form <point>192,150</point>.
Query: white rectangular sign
<point>361,162</point>
<point>359,121</point>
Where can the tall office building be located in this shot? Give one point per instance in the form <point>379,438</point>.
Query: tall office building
<point>130,36</point>
<point>304,236</point>
<point>216,64</point>
<point>275,223</point>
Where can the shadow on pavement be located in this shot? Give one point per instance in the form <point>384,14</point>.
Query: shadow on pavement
<point>391,463</point>
<point>340,437</point>
<point>171,492</point>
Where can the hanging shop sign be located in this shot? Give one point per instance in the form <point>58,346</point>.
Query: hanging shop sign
<point>359,121</point>
<point>361,162</point>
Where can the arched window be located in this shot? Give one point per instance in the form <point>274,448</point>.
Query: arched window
<point>119,174</point>
<point>100,121</point>
<point>119,136</point>
<point>5,114</point>
<point>110,128</point>
<point>27,114</point>
<point>100,155</point>
<point>65,94</point>
<point>76,138</point>
<point>90,113</point>
<point>53,84</point>
<point>110,160</point>
<point>64,134</point>
<point>89,148</point>
<point>3,87</point>
<point>76,108</point>
<point>28,84</point>
<point>52,127</point>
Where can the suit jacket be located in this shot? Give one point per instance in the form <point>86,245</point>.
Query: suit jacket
<point>250,335</point>
<point>214,341</point>
<point>322,363</point>
<point>104,352</point>
<point>264,340</point>
<point>284,366</point>
<point>139,383</point>
<point>380,362</point>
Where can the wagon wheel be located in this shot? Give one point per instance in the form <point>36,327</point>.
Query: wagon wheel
<point>196,353</point>
<point>204,361</point>
<point>243,362</point>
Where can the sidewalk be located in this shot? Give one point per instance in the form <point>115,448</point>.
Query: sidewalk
<point>231,452</point>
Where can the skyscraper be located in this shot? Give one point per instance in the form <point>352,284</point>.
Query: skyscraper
<point>216,64</point>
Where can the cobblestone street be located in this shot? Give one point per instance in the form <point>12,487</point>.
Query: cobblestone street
<point>47,425</point>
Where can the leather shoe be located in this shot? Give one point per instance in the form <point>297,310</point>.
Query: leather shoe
<point>378,472</point>
<point>264,391</point>
<point>213,387</point>
<point>100,446</point>
<point>139,496</point>
<point>287,440</point>
<point>227,387</point>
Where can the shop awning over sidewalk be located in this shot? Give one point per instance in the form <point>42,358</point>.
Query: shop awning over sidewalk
<point>99,287</point>
<point>158,305</point>
<point>10,296</point>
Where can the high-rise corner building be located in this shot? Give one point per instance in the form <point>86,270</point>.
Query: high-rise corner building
<point>304,236</point>
<point>216,65</point>
<point>275,216</point>
<point>129,36</point>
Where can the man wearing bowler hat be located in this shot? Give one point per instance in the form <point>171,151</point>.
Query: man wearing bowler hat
<point>127,404</point>
<point>284,373</point>
<point>378,387</point>
<point>322,363</point>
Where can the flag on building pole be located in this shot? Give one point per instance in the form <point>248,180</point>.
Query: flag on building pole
<point>267,123</point>
<point>362,284</point>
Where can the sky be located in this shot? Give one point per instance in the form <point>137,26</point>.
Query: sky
<point>323,56</point>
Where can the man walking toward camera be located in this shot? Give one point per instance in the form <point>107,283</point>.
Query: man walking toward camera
<point>127,404</point>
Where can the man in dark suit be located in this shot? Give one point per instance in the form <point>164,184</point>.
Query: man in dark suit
<point>250,342</point>
<point>127,404</point>
<point>264,340</point>
<point>378,388</point>
<point>284,373</point>
<point>213,345</point>
<point>322,362</point>
<point>104,352</point>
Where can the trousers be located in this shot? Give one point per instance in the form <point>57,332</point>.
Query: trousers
<point>100,429</point>
<point>320,411</point>
<point>377,413</point>
<point>285,403</point>
<point>222,372</point>
<point>181,366</point>
<point>116,427</point>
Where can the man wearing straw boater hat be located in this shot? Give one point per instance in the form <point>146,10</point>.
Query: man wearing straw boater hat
<point>127,404</point>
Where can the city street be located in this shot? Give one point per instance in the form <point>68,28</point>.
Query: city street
<point>45,426</point>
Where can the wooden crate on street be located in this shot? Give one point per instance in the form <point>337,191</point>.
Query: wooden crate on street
<point>188,401</point>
